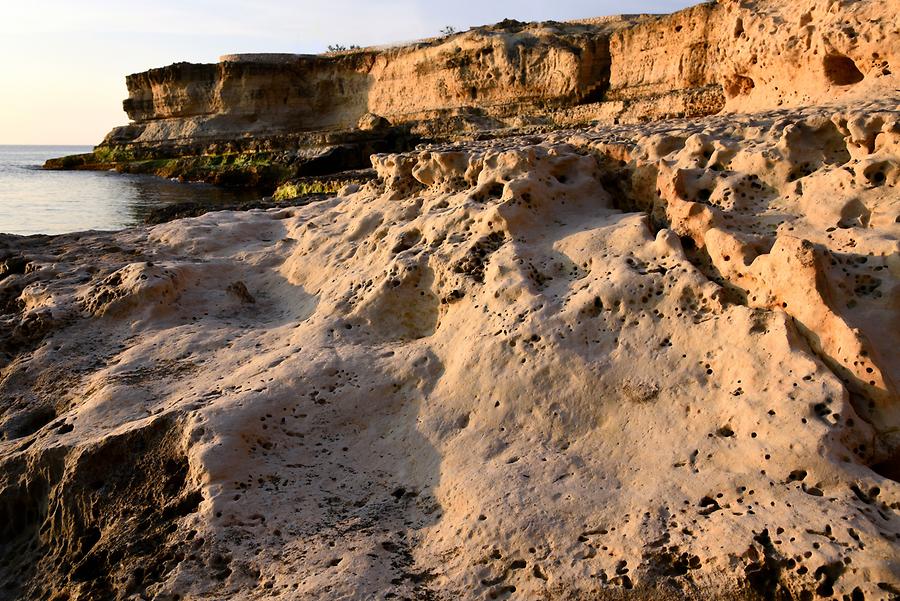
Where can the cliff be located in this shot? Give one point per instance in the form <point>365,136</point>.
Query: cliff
<point>759,55</point>
<point>502,70</point>
<point>724,56</point>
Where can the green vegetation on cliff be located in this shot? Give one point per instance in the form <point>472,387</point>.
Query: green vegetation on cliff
<point>253,170</point>
<point>249,169</point>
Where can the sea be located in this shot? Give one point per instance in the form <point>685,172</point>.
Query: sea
<point>35,201</point>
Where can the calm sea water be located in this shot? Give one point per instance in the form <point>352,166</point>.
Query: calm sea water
<point>34,201</point>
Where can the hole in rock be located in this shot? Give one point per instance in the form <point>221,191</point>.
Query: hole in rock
<point>841,70</point>
<point>738,85</point>
<point>877,173</point>
<point>890,467</point>
<point>27,423</point>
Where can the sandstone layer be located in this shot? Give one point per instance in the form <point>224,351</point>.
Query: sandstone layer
<point>650,360</point>
<point>332,111</point>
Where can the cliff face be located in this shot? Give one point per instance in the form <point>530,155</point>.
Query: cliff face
<point>705,59</point>
<point>506,69</point>
<point>761,55</point>
<point>503,70</point>
<point>724,56</point>
<point>237,97</point>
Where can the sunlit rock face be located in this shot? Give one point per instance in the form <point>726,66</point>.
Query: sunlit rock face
<point>718,56</point>
<point>261,119</point>
<point>624,361</point>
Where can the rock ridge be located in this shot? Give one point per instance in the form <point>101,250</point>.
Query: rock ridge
<point>629,362</point>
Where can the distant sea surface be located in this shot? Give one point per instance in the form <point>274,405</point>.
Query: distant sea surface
<point>34,201</point>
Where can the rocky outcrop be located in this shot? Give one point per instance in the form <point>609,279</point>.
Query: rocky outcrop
<point>632,362</point>
<point>753,56</point>
<point>636,361</point>
<point>713,56</point>
<point>504,69</point>
<point>724,56</point>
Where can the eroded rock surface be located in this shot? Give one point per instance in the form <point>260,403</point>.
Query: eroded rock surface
<point>630,362</point>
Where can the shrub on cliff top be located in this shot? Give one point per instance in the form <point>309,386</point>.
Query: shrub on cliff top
<point>341,47</point>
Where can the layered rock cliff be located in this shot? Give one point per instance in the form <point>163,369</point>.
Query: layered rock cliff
<point>713,57</point>
<point>756,56</point>
<point>633,361</point>
<point>288,110</point>
<point>507,69</point>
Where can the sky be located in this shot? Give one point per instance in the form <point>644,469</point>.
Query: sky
<point>63,63</point>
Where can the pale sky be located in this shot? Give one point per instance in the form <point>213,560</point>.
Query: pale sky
<point>63,62</point>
